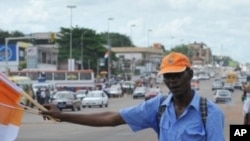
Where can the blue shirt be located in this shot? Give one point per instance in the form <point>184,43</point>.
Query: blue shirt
<point>188,127</point>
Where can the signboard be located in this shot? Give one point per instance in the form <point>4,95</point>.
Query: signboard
<point>102,62</point>
<point>32,57</point>
<point>11,52</point>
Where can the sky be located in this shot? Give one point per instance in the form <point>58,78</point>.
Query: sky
<point>223,25</point>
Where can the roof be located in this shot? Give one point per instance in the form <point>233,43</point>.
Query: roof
<point>137,50</point>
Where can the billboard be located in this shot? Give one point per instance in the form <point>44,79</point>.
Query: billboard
<point>11,52</point>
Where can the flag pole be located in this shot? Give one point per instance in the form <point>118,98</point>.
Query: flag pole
<point>39,106</point>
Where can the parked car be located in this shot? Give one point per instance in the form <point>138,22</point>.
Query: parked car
<point>228,86</point>
<point>139,92</point>
<point>115,91</point>
<point>217,85</point>
<point>222,96</point>
<point>67,100</point>
<point>95,98</point>
<point>152,92</point>
<point>238,85</point>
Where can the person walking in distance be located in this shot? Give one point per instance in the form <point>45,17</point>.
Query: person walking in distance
<point>180,121</point>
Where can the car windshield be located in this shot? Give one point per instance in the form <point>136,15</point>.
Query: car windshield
<point>65,96</point>
<point>140,89</point>
<point>94,94</point>
<point>81,92</point>
<point>223,93</point>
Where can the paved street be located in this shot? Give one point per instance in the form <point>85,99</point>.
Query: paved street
<point>33,127</point>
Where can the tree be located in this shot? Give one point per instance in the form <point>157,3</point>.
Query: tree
<point>83,39</point>
<point>6,34</point>
<point>117,39</point>
<point>183,49</point>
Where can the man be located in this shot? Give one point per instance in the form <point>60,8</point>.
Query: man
<point>246,106</point>
<point>181,120</point>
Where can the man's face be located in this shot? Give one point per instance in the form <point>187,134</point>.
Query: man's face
<point>178,83</point>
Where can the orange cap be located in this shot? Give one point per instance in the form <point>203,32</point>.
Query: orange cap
<point>174,62</point>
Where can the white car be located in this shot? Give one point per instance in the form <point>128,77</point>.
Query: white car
<point>139,92</point>
<point>222,96</point>
<point>115,91</point>
<point>81,94</point>
<point>95,98</point>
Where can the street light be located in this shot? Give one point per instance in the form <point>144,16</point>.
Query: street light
<point>149,30</point>
<point>131,31</point>
<point>109,53</point>
<point>70,49</point>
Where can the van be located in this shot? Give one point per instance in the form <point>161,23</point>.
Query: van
<point>44,85</point>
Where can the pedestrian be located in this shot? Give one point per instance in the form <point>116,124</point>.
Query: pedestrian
<point>246,106</point>
<point>180,121</point>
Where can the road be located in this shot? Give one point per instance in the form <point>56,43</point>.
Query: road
<point>33,127</point>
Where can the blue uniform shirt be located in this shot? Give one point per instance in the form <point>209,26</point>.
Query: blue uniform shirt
<point>188,127</point>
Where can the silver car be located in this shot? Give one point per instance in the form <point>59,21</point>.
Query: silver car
<point>67,100</point>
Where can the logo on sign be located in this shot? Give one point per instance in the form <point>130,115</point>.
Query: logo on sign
<point>2,53</point>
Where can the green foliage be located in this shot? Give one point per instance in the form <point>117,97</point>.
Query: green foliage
<point>117,39</point>
<point>182,49</point>
<point>6,34</point>
<point>22,65</point>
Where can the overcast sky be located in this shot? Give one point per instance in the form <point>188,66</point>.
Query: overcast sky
<point>223,25</point>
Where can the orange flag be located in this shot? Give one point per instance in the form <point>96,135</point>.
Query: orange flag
<point>10,109</point>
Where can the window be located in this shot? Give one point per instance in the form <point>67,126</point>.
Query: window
<point>85,76</point>
<point>59,76</point>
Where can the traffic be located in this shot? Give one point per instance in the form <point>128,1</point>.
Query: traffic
<point>99,100</point>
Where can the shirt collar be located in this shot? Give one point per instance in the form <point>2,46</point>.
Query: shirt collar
<point>195,103</point>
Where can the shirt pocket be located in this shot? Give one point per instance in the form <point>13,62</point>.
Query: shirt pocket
<point>193,132</point>
<point>164,129</point>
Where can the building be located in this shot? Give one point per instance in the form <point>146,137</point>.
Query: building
<point>200,54</point>
<point>138,59</point>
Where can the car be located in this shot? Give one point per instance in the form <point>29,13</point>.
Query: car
<point>67,100</point>
<point>95,98</point>
<point>139,92</point>
<point>222,96</point>
<point>81,93</point>
<point>128,86</point>
<point>217,85</point>
<point>152,92</point>
<point>238,85</point>
<point>115,91</point>
<point>228,86</point>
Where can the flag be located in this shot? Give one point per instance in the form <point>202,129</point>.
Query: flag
<point>10,109</point>
<point>106,55</point>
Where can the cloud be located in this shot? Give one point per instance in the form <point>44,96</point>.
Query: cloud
<point>223,25</point>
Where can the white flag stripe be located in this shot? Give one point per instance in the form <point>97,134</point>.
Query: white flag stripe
<point>8,132</point>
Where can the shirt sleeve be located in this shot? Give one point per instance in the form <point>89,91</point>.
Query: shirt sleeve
<point>143,115</point>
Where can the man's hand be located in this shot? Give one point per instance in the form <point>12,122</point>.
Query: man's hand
<point>53,112</point>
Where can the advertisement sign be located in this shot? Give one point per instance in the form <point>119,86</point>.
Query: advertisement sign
<point>11,52</point>
<point>32,57</point>
<point>102,62</point>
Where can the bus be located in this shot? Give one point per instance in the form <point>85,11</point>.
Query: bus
<point>21,81</point>
<point>231,77</point>
<point>24,83</point>
<point>76,79</point>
